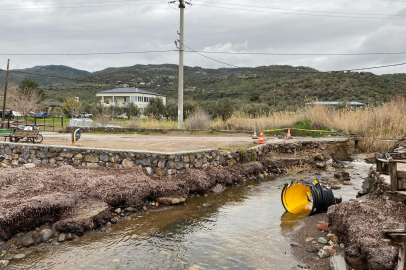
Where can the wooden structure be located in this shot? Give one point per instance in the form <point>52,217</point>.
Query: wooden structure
<point>396,238</point>
<point>397,180</point>
<point>30,135</point>
<point>6,133</point>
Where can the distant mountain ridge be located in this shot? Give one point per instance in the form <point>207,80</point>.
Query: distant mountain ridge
<point>46,74</point>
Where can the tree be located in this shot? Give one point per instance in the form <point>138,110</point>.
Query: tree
<point>131,110</point>
<point>222,109</point>
<point>72,108</point>
<point>115,110</point>
<point>23,101</point>
<point>27,86</point>
<point>155,107</point>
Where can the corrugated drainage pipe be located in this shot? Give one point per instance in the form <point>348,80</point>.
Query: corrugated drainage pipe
<point>307,198</point>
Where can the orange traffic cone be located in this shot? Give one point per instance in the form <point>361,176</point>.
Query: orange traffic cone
<point>261,138</point>
<point>255,135</point>
<point>288,135</point>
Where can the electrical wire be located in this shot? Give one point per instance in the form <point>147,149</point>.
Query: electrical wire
<point>81,54</point>
<point>301,10</point>
<point>355,69</point>
<point>209,57</point>
<point>299,14</point>
<point>68,3</point>
<point>80,6</point>
<point>204,52</point>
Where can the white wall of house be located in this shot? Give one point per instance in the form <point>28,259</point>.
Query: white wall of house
<point>139,99</point>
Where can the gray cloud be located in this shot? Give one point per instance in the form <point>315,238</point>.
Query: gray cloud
<point>125,26</point>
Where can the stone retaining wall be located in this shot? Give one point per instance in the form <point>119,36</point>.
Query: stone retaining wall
<point>159,163</point>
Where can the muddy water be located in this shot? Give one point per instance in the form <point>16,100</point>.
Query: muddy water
<point>238,229</point>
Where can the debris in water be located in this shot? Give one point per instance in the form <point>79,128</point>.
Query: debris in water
<point>307,198</point>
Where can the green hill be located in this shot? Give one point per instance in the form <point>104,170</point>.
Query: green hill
<point>57,72</point>
<point>291,86</point>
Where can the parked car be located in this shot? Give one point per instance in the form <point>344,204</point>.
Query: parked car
<point>85,114</point>
<point>7,115</point>
<point>41,115</point>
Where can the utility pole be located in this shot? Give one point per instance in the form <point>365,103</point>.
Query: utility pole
<point>180,85</point>
<point>181,48</point>
<point>274,106</point>
<point>3,113</point>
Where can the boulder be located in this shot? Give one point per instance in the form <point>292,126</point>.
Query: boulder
<point>28,242</point>
<point>46,234</point>
<point>127,164</point>
<point>342,175</point>
<point>322,240</point>
<point>337,262</point>
<point>19,256</point>
<point>218,188</point>
<point>62,237</point>
<point>323,226</point>
<point>323,254</point>
<point>170,200</point>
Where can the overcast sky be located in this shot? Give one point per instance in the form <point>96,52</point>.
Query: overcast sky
<point>288,26</point>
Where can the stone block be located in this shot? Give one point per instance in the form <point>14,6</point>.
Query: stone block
<point>160,172</point>
<point>161,163</point>
<point>92,157</point>
<point>127,164</point>
<point>66,155</point>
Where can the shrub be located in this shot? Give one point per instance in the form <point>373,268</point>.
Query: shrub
<point>199,120</point>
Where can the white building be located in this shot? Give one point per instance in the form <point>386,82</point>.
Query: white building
<point>122,96</point>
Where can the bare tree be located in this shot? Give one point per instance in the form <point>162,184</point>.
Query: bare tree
<point>23,101</point>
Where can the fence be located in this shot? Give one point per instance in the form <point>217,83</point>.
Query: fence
<point>44,124</point>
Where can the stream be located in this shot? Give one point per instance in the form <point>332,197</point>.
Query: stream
<point>240,228</point>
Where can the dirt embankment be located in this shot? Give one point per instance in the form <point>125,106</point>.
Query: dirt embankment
<point>76,199</point>
<point>357,225</point>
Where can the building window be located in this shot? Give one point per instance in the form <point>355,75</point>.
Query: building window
<point>146,99</point>
<point>134,99</point>
<point>139,99</point>
<point>126,99</point>
<point>115,99</point>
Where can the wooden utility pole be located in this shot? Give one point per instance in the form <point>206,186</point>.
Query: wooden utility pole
<point>3,113</point>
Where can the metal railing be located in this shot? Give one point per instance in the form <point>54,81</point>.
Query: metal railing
<point>44,124</point>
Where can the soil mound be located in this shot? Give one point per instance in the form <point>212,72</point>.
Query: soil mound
<point>357,224</point>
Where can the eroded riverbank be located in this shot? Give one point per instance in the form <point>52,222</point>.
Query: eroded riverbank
<point>241,228</point>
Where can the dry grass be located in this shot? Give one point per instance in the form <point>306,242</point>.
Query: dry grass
<point>243,121</point>
<point>199,120</point>
<point>298,169</point>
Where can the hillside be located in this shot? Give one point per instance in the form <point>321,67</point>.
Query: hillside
<point>16,76</point>
<point>293,85</point>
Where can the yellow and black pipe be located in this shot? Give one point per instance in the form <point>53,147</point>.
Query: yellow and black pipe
<point>307,198</point>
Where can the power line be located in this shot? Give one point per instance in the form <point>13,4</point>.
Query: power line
<point>204,52</point>
<point>302,10</point>
<point>355,69</point>
<point>81,54</point>
<point>68,3</point>
<point>211,58</point>
<point>299,14</point>
<point>80,6</point>
<point>302,54</point>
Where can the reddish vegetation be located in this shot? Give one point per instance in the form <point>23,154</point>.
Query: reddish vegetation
<point>30,197</point>
<point>357,224</point>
